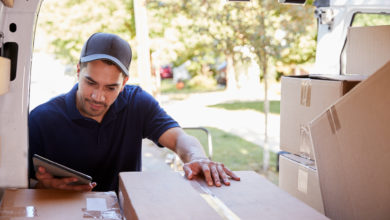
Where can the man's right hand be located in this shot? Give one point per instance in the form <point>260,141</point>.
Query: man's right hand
<point>47,181</point>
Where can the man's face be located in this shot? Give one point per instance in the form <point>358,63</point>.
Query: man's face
<point>99,86</point>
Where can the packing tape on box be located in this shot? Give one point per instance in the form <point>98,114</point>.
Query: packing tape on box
<point>333,119</point>
<point>305,147</point>
<point>303,178</point>
<point>306,92</point>
<point>18,212</point>
<point>102,208</point>
<point>214,201</point>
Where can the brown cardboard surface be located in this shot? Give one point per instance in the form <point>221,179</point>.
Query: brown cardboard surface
<point>56,204</point>
<point>368,48</point>
<point>168,195</point>
<point>161,195</point>
<point>302,99</point>
<point>298,176</point>
<point>352,148</point>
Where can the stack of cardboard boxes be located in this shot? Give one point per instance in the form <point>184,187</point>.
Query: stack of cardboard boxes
<point>303,98</point>
<point>338,141</point>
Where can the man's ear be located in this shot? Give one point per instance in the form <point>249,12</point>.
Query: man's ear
<point>78,70</point>
<point>124,82</point>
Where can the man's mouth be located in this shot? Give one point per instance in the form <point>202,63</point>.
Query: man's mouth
<point>96,105</point>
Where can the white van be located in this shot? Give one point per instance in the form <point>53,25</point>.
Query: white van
<point>17,27</point>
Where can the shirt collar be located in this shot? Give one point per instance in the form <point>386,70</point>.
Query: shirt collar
<point>74,113</point>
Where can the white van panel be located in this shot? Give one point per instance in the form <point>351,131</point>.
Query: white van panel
<point>331,41</point>
<point>14,104</point>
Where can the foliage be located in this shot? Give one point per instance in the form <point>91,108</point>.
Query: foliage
<point>68,23</point>
<point>277,34</point>
<point>249,105</point>
<point>280,34</point>
<point>365,19</point>
<point>203,32</point>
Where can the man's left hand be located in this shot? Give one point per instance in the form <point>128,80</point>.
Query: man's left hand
<point>213,172</point>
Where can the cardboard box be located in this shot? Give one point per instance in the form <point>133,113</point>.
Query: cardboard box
<point>351,140</point>
<point>168,195</point>
<point>298,176</point>
<point>56,204</point>
<point>303,98</point>
<point>367,49</point>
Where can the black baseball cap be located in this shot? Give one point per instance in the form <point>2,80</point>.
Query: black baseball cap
<point>104,46</point>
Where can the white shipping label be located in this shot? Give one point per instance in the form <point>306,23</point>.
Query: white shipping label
<point>96,204</point>
<point>302,181</point>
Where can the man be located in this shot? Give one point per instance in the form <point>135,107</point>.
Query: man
<point>98,126</point>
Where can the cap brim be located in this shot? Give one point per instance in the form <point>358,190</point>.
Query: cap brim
<point>105,57</point>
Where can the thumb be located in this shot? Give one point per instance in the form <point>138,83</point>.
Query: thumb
<point>188,172</point>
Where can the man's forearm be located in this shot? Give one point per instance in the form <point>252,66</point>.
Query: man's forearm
<point>189,148</point>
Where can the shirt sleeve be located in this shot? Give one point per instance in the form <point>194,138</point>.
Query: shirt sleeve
<point>155,120</point>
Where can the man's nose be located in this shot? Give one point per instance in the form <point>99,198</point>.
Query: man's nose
<point>98,95</point>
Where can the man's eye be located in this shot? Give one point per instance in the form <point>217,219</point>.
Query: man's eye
<point>90,83</point>
<point>111,88</point>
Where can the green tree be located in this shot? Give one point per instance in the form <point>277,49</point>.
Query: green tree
<point>204,29</point>
<point>276,33</point>
<point>68,23</point>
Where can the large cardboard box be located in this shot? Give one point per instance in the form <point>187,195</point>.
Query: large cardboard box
<point>168,195</point>
<point>298,176</point>
<point>303,98</point>
<point>351,140</point>
<point>367,49</point>
<point>59,205</point>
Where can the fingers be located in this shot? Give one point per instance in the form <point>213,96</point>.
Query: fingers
<point>41,174</point>
<point>223,175</point>
<point>65,184</point>
<point>188,172</point>
<point>46,180</point>
<point>231,174</point>
<point>206,173</point>
<point>84,188</point>
<point>213,172</point>
<point>215,175</point>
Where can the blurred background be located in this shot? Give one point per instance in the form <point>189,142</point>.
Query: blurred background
<point>211,64</point>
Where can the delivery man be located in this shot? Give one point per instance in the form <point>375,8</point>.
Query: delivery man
<point>98,126</point>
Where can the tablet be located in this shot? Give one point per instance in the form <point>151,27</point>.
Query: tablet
<point>60,171</point>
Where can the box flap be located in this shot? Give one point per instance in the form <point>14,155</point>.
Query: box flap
<point>339,77</point>
<point>367,49</point>
<point>351,144</point>
<point>355,77</point>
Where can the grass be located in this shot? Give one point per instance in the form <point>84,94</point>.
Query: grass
<point>251,105</point>
<point>236,153</point>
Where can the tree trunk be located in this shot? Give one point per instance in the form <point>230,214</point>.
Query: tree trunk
<point>266,157</point>
<point>231,82</point>
<point>142,36</point>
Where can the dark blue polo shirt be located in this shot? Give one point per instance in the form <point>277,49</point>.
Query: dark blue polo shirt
<point>60,133</point>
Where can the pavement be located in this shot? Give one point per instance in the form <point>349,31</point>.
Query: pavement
<point>193,111</point>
